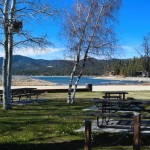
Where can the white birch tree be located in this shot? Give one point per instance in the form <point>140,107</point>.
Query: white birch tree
<point>89,30</point>
<point>12,14</point>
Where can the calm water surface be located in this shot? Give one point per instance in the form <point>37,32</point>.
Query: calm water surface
<point>84,80</point>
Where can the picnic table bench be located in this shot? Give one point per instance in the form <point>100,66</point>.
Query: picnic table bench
<point>113,108</point>
<point>105,117</point>
<point>109,97</point>
<point>125,120</point>
<point>115,94</point>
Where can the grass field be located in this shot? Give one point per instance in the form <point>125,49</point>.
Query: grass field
<point>50,125</point>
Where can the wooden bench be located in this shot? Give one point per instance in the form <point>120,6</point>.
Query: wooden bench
<point>100,114</point>
<point>115,94</point>
<point>105,117</point>
<point>114,97</point>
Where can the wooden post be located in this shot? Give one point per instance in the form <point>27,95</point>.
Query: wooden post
<point>136,131</point>
<point>87,134</point>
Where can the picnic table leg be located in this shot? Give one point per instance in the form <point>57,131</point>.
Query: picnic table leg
<point>123,96</point>
<point>120,96</point>
<point>104,119</point>
<point>1,98</point>
<point>102,123</point>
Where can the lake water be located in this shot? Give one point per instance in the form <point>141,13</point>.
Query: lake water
<point>84,80</point>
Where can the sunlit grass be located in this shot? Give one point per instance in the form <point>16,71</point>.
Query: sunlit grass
<point>52,123</point>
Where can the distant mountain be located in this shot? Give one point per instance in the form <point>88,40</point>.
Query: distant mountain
<point>27,66</point>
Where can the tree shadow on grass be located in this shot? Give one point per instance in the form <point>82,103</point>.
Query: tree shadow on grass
<point>102,141</point>
<point>73,145</point>
<point>118,139</point>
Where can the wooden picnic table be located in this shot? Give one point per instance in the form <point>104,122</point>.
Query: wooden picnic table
<point>107,108</point>
<point>120,105</point>
<point>20,93</point>
<point>115,94</point>
<point>24,92</point>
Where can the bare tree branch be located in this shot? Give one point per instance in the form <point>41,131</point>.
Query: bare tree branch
<point>14,37</point>
<point>89,31</point>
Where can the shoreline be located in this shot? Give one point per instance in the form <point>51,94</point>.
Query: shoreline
<point>28,81</point>
<point>125,78</point>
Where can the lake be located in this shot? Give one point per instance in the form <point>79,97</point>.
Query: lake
<point>64,80</point>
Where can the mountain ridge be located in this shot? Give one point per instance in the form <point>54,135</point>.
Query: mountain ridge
<point>23,65</point>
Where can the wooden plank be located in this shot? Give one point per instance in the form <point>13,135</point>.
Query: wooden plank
<point>118,115</point>
<point>109,97</point>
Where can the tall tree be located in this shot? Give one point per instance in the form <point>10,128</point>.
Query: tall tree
<point>12,14</point>
<point>89,30</point>
<point>144,52</point>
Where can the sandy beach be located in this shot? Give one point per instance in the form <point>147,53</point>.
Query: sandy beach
<point>140,79</point>
<point>27,81</point>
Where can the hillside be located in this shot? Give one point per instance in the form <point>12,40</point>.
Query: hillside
<point>27,66</point>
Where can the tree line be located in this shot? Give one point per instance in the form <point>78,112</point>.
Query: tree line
<point>94,67</point>
<point>129,67</point>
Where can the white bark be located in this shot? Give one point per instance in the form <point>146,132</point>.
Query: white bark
<point>69,100</point>
<point>10,15</point>
<point>10,50</point>
<point>5,60</point>
<point>71,80</point>
<point>99,35</point>
<point>86,53</point>
<point>78,78</point>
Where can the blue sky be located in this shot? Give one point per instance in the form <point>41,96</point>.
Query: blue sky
<point>133,24</point>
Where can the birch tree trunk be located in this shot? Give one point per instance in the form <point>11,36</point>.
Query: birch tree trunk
<point>10,50</point>
<point>9,67</point>
<point>5,60</point>
<point>12,12</point>
<point>86,53</point>
<point>69,100</point>
<point>4,80</point>
<point>79,76</point>
<point>71,81</point>
<point>89,28</point>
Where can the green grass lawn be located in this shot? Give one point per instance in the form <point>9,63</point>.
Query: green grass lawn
<point>50,125</point>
